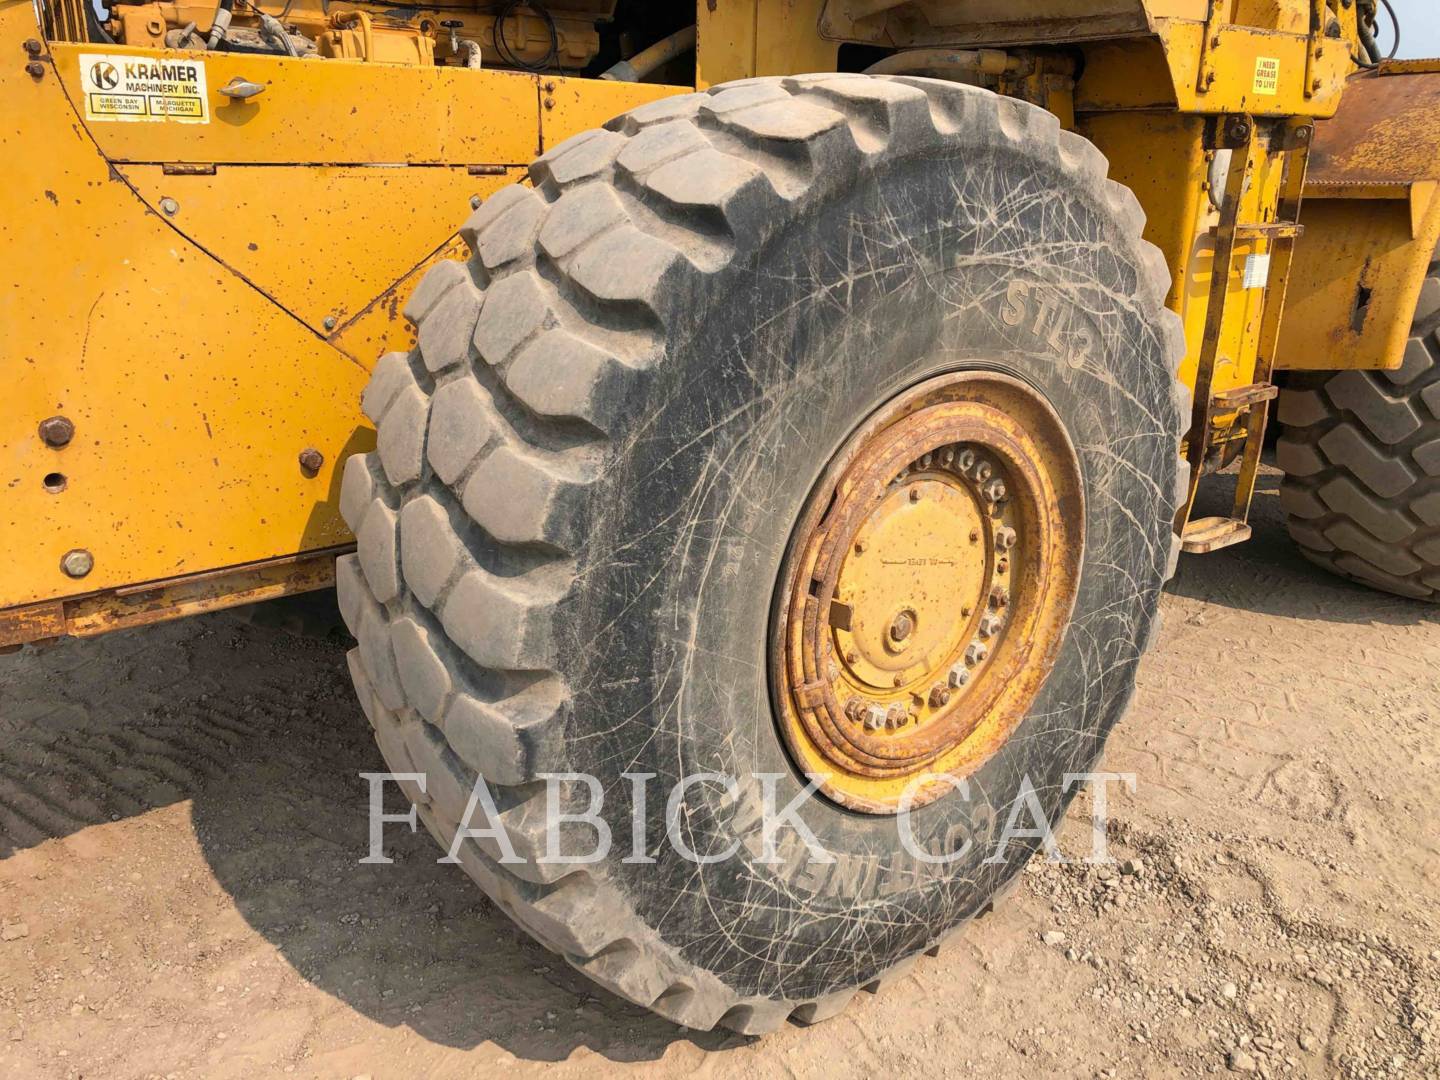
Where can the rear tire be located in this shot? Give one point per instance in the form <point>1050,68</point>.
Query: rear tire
<point>571,534</point>
<point>1361,455</point>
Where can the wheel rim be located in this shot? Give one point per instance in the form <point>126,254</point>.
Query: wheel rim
<point>926,591</point>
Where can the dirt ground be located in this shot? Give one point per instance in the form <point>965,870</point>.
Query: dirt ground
<point>180,819</point>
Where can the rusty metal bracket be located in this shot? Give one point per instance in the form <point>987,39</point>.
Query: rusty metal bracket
<point>1315,47</point>
<point>1214,19</point>
<point>172,598</point>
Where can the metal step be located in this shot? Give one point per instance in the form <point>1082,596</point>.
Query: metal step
<point>1213,533</point>
<point>1238,397</point>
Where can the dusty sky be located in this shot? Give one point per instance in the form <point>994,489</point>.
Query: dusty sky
<point>1419,28</point>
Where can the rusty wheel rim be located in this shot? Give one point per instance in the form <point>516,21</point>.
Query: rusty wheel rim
<point>926,590</point>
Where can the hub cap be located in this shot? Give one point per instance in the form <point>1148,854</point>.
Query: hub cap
<point>927,590</point>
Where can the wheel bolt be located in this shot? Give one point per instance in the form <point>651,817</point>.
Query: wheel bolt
<point>896,716</point>
<point>999,597</point>
<point>982,471</point>
<point>975,652</point>
<point>965,460</point>
<point>989,625</point>
<point>939,696</point>
<point>874,717</point>
<point>1005,538</point>
<point>901,628</point>
<point>958,677</point>
<point>995,491</point>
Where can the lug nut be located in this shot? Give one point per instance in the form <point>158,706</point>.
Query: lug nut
<point>958,677</point>
<point>77,563</point>
<point>1005,538</point>
<point>982,471</point>
<point>57,431</point>
<point>873,717</point>
<point>939,696</point>
<point>995,490</point>
<point>965,460</point>
<point>989,625</point>
<point>896,716</point>
<point>975,652</point>
<point>999,597</point>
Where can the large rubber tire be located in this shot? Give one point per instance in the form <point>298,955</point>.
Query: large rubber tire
<point>1361,454</point>
<point>587,474</point>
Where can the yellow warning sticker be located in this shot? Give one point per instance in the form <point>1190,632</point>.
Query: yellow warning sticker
<point>1267,75</point>
<point>133,88</point>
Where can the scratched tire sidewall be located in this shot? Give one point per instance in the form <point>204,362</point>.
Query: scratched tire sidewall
<point>870,289</point>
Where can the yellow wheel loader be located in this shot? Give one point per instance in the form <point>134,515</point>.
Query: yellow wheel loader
<point>775,475</point>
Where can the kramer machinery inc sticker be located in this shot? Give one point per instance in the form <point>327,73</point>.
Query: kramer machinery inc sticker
<point>139,88</point>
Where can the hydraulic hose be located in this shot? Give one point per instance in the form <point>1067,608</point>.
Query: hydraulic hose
<point>649,60</point>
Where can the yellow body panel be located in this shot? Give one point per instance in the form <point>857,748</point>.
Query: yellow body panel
<point>1372,223</point>
<point>177,315</point>
<point>309,237</point>
<point>191,392</point>
<point>331,112</point>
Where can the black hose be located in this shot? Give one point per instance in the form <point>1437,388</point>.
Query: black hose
<point>502,47</point>
<point>1395,22</point>
<point>96,28</point>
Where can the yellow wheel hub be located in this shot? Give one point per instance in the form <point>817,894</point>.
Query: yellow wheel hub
<point>927,589</point>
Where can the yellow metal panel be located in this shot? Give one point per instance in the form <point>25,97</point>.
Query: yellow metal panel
<point>381,327</point>
<point>1371,223</point>
<point>192,395</point>
<point>1357,276</point>
<point>331,112</point>
<point>322,241</point>
<point>726,42</point>
<point>570,106</point>
<point>761,37</point>
<point>1127,74</point>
